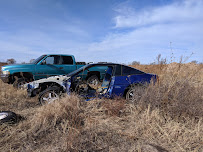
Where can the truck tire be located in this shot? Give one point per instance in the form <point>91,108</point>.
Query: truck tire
<point>93,81</point>
<point>8,117</point>
<point>49,95</point>
<point>18,83</point>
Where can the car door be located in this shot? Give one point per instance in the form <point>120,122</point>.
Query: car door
<point>121,79</point>
<point>50,66</point>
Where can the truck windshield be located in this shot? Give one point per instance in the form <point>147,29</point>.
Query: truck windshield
<point>38,59</point>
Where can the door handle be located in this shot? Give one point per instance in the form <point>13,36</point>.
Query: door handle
<point>61,68</point>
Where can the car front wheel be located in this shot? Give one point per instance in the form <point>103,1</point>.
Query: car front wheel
<point>49,95</point>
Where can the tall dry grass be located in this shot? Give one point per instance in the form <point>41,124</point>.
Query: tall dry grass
<point>166,116</point>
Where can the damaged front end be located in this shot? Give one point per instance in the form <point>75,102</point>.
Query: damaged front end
<point>35,87</point>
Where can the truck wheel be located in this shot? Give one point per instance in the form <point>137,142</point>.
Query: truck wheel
<point>93,81</point>
<point>49,95</point>
<point>8,117</point>
<point>19,83</point>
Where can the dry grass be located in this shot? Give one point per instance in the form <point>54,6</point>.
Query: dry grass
<point>167,116</point>
<point>2,64</point>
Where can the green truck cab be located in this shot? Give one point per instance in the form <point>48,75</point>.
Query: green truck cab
<point>44,67</point>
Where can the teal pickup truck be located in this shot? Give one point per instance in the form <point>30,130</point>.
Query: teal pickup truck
<point>46,66</point>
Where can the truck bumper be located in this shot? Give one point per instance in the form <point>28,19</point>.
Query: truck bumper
<point>5,78</point>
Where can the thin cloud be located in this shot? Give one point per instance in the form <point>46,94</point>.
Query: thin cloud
<point>185,11</point>
<point>151,32</point>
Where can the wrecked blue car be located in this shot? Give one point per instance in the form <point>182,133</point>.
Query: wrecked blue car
<point>119,80</point>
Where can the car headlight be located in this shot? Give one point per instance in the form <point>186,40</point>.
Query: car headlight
<point>32,85</point>
<point>6,72</point>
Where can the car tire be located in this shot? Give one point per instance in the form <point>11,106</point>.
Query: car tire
<point>18,83</point>
<point>49,95</point>
<point>93,81</point>
<point>8,117</point>
<point>134,94</point>
<point>130,95</point>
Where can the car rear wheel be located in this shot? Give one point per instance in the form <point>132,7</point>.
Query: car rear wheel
<point>49,95</point>
<point>130,95</point>
<point>135,93</point>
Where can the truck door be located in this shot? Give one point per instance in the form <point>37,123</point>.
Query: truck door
<point>50,66</point>
<point>67,64</point>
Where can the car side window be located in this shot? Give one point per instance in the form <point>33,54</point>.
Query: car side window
<point>67,60</point>
<point>118,70</point>
<point>130,71</point>
<point>53,59</point>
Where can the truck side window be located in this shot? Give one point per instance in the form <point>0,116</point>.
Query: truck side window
<point>52,59</point>
<point>67,60</point>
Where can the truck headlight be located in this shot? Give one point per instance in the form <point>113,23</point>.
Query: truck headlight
<point>6,72</point>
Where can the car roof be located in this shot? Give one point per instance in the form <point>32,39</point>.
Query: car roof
<point>92,65</point>
<point>99,64</point>
<point>104,64</point>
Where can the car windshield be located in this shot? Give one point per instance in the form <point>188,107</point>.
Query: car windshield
<point>38,59</point>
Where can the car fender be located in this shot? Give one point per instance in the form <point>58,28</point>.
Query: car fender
<point>55,79</point>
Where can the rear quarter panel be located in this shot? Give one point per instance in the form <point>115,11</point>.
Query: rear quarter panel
<point>121,83</point>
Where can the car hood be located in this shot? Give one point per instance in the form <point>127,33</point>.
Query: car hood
<point>60,79</point>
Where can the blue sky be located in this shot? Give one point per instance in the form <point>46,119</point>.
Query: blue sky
<point>119,31</point>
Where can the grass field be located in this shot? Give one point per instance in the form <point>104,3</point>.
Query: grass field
<point>166,116</point>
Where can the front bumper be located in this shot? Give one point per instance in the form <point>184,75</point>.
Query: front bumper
<point>5,78</point>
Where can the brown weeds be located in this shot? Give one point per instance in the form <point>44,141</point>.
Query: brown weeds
<point>166,116</point>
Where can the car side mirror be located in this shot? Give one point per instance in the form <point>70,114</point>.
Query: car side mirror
<point>43,62</point>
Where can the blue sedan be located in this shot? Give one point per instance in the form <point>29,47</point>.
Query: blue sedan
<point>119,80</point>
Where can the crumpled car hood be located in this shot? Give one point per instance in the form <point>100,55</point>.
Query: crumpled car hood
<point>57,79</point>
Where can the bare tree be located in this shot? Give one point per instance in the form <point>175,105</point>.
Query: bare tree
<point>194,61</point>
<point>135,63</point>
<point>11,61</point>
<point>32,60</point>
<point>160,60</point>
<point>152,63</point>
